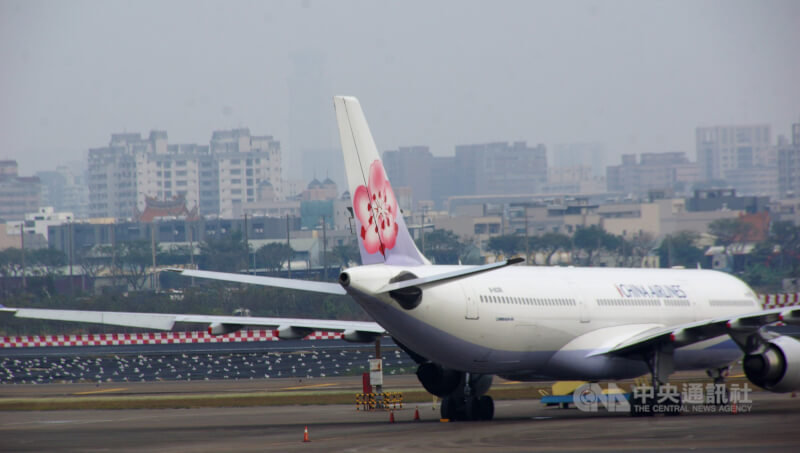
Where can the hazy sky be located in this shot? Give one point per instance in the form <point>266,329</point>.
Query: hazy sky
<point>638,76</point>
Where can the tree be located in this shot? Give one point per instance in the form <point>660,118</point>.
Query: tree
<point>638,247</point>
<point>442,247</point>
<point>132,261</point>
<point>178,254</point>
<point>91,260</point>
<point>509,245</point>
<point>786,236</point>
<point>593,239</point>
<point>679,250</point>
<point>226,254</point>
<point>47,262</point>
<point>11,262</point>
<point>549,244</point>
<point>346,255</point>
<point>273,256</point>
<point>729,231</point>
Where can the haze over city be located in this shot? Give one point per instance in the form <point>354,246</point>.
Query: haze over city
<point>634,76</point>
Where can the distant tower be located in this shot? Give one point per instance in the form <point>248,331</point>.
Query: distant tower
<point>311,119</point>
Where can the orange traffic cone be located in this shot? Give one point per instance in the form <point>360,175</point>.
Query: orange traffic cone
<point>305,435</point>
<point>416,414</point>
<point>391,416</point>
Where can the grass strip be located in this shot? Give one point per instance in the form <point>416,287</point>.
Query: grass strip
<point>304,398</point>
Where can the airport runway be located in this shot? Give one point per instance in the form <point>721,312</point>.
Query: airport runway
<point>523,425</point>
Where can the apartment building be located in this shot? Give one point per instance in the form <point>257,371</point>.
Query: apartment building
<point>723,148</point>
<point>216,178</point>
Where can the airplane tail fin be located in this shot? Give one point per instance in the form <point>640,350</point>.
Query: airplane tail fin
<point>382,233</point>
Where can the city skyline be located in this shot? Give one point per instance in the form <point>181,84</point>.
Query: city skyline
<point>635,77</point>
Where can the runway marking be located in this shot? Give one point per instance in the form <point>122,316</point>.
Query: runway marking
<point>101,391</point>
<point>512,382</point>
<point>300,387</point>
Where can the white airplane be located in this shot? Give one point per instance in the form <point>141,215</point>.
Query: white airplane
<point>464,324</point>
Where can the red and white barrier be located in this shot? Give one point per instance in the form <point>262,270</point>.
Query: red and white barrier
<point>779,300</point>
<point>118,339</point>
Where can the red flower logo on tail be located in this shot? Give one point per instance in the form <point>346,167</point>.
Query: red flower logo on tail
<point>376,208</point>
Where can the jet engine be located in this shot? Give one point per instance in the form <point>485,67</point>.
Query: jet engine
<point>219,328</point>
<point>777,369</point>
<point>438,380</point>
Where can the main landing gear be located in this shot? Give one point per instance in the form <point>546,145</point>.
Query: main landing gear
<point>719,374</point>
<point>467,407</point>
<point>661,365</point>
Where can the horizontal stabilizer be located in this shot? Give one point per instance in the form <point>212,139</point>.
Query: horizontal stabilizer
<point>439,278</point>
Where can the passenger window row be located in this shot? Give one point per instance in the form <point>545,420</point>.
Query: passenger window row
<point>532,301</point>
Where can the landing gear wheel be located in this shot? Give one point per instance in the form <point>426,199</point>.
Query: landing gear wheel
<point>448,408</point>
<point>471,410</point>
<point>485,408</point>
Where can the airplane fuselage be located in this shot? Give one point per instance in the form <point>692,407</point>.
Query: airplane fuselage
<point>542,322</point>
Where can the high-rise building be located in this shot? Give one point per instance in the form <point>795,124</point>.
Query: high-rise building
<point>501,168</point>
<point>723,148</point>
<point>311,125</point>
<point>654,171</point>
<point>789,166</point>
<point>112,176</point>
<point>411,166</point>
<point>244,161</point>
<point>215,179</point>
<point>65,191</point>
<point>19,195</point>
<point>574,155</point>
<point>479,169</point>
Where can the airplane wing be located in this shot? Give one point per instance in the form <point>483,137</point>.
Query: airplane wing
<point>359,331</point>
<point>738,327</point>
<point>288,283</point>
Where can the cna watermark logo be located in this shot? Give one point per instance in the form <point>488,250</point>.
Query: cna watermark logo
<point>591,397</point>
<point>693,397</point>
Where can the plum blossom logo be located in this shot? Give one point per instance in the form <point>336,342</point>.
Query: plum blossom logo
<point>376,208</point>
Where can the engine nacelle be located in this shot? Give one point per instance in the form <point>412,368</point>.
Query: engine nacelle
<point>438,380</point>
<point>219,328</point>
<point>777,369</point>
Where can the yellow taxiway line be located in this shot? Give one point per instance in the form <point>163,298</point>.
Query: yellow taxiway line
<point>100,391</point>
<point>301,387</point>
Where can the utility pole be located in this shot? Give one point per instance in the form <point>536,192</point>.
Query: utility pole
<point>527,242</point>
<point>246,245</point>
<point>71,234</point>
<point>191,249</point>
<point>113,255</point>
<point>422,231</point>
<point>324,250</point>
<point>153,252</point>
<point>22,246</point>
<point>288,244</point>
